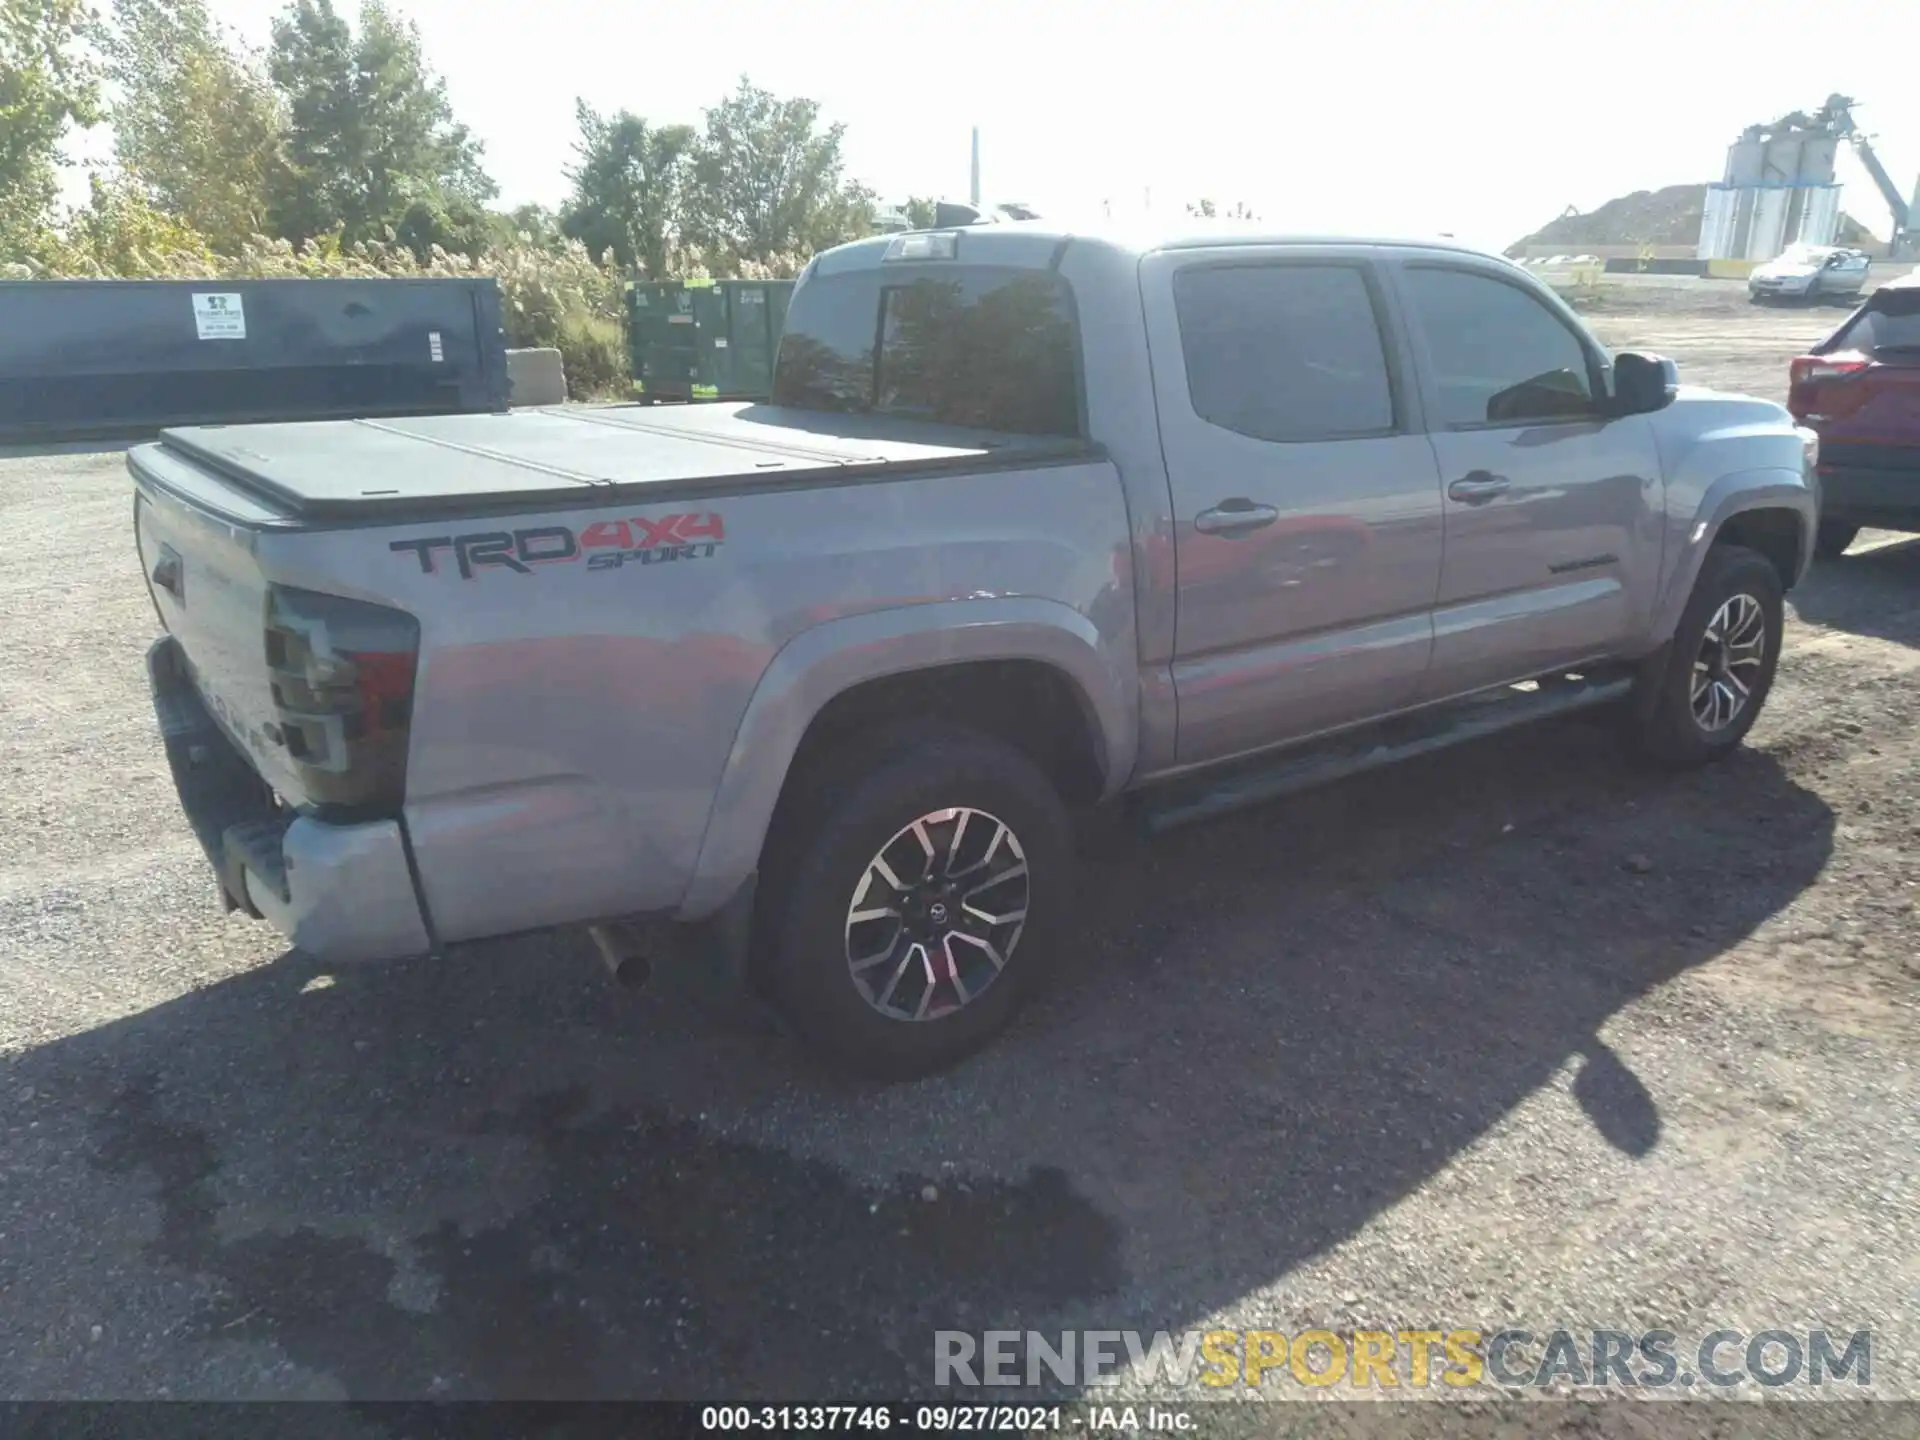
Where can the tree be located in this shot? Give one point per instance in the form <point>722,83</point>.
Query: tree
<point>920,211</point>
<point>371,139</point>
<point>768,184</point>
<point>48,81</point>
<point>454,223</point>
<point>539,225</point>
<point>1207,210</point>
<point>196,122</point>
<point>629,188</point>
<point>120,234</point>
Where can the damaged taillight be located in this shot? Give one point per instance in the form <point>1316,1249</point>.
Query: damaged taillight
<point>342,674</point>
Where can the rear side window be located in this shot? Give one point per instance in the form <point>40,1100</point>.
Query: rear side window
<point>988,348</point>
<point>1499,356</point>
<point>1284,352</point>
<point>1889,325</point>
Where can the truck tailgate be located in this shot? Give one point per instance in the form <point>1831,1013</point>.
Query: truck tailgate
<point>211,595</point>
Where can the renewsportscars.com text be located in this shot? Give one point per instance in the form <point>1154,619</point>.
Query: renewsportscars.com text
<point>1215,1360</point>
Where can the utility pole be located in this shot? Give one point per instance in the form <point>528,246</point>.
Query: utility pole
<point>973,193</point>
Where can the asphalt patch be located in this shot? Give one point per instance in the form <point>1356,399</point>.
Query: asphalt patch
<point>655,1265</point>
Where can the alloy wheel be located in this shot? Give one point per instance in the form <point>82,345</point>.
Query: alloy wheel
<point>1732,655</point>
<point>937,913</point>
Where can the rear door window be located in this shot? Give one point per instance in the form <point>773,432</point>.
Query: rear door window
<point>1894,329</point>
<point>983,347</point>
<point>1284,352</point>
<point>1498,356</point>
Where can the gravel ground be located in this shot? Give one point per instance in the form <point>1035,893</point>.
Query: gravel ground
<point>1517,1036</point>
<point>1719,337</point>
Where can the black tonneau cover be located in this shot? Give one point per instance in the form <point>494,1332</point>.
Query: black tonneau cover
<point>375,469</point>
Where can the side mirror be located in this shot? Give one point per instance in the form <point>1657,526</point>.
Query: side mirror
<point>1643,384</point>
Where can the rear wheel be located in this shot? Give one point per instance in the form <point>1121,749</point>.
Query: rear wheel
<point>1701,702</point>
<point>1830,542</point>
<point>916,885</point>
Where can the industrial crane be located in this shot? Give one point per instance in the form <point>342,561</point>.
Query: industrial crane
<point>1837,117</point>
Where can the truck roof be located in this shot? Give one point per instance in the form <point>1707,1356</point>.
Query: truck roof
<point>1034,242</point>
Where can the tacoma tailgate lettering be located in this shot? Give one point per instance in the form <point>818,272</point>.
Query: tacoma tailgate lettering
<point>424,549</point>
<point>556,541</point>
<point>617,533</point>
<point>607,544</point>
<point>495,548</point>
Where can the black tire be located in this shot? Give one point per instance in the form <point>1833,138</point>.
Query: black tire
<point>848,809</point>
<point>1833,537</point>
<point>1665,724</point>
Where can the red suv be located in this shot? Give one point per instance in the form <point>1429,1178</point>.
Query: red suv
<point>1859,390</point>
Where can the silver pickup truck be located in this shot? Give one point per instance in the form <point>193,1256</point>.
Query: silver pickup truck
<point>804,694</point>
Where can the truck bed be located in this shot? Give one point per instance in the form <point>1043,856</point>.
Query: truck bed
<point>421,466</point>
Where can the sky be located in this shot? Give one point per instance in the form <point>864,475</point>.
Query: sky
<point>1480,118</point>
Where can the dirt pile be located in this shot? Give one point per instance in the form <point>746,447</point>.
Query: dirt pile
<point>1646,217</point>
<point>1852,232</point>
<point>1670,216</point>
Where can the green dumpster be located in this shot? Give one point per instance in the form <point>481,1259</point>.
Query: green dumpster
<point>706,339</point>
<point>660,339</point>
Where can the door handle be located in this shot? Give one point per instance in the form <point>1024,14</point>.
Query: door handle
<point>1235,517</point>
<point>1478,486</point>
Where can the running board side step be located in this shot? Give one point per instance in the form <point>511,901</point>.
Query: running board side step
<point>1216,792</point>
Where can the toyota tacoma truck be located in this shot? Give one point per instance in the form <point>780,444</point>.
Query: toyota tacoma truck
<point>808,694</point>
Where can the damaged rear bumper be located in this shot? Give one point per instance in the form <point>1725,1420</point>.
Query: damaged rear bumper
<point>338,892</point>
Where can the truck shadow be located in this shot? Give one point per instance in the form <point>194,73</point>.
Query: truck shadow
<point>1869,592</point>
<point>500,1176</point>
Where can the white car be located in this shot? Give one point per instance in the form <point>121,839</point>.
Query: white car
<point>1808,272</point>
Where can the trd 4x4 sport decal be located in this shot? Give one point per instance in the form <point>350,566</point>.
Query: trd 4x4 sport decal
<point>604,545</point>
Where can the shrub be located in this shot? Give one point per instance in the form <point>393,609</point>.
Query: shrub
<point>120,235</point>
<point>556,295</point>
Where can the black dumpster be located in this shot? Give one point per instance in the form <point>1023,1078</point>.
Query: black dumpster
<point>112,357</point>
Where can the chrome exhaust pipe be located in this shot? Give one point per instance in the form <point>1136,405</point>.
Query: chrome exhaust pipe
<point>624,961</point>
